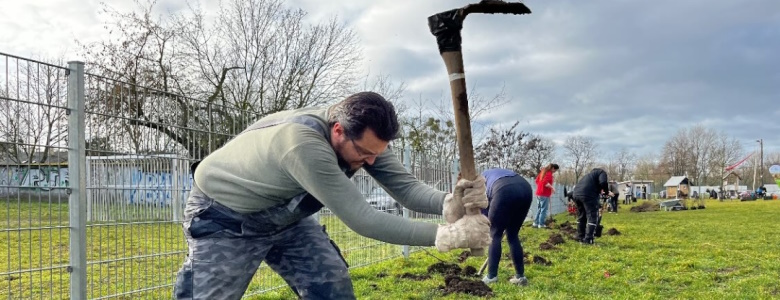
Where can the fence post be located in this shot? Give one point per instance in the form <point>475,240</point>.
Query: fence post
<point>77,200</point>
<point>408,166</point>
<point>178,172</point>
<point>88,175</point>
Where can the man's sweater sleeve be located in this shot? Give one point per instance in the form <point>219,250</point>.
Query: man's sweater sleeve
<point>316,169</point>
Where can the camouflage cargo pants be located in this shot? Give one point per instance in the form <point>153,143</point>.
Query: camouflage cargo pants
<point>226,248</point>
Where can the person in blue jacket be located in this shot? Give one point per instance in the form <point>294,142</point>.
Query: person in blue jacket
<point>509,196</point>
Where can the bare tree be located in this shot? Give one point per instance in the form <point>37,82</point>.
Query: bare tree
<point>675,158</point>
<point>504,148</point>
<point>430,130</point>
<point>538,151</point>
<point>624,162</point>
<point>688,153</point>
<point>33,123</point>
<point>648,167</point>
<point>581,152</point>
<point>726,151</point>
<point>258,57</point>
<point>702,141</point>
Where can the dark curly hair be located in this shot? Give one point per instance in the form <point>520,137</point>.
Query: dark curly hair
<point>366,110</point>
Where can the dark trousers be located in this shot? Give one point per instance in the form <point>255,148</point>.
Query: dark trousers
<point>613,203</point>
<point>227,247</point>
<point>509,205</point>
<point>587,217</point>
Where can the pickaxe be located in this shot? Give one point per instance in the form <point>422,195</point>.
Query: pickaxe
<point>446,27</point>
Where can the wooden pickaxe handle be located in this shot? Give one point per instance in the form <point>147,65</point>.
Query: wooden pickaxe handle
<point>453,60</point>
<point>446,27</point>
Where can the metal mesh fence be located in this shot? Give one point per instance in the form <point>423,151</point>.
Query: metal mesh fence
<point>34,218</point>
<point>94,175</point>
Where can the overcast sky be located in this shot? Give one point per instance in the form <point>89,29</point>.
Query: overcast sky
<point>627,73</point>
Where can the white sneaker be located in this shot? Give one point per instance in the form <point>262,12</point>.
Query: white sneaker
<point>534,225</point>
<point>522,281</point>
<point>488,280</point>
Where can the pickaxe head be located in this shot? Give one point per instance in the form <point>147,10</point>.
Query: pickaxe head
<point>446,25</point>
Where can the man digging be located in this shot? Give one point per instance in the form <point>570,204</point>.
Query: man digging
<point>253,198</point>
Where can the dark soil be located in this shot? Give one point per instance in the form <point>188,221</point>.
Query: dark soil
<point>469,271</point>
<point>555,239</point>
<point>463,256</point>
<point>374,286</point>
<point>381,275</point>
<point>415,276</point>
<point>549,222</point>
<point>613,231</point>
<point>566,224</point>
<point>547,246</point>
<point>541,261</point>
<point>535,259</point>
<point>456,284</point>
<point>444,268</point>
<point>646,206</point>
<point>568,228</point>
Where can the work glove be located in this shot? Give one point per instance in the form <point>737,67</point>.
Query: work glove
<point>453,208</point>
<point>471,231</point>
<point>471,193</point>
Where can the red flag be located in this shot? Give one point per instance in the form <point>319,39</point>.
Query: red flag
<point>732,167</point>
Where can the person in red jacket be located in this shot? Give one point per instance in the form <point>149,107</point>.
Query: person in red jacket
<point>544,189</point>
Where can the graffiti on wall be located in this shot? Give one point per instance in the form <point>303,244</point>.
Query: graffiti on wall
<point>133,185</point>
<point>157,187</point>
<point>40,178</point>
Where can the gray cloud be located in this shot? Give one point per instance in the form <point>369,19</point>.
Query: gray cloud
<point>628,73</point>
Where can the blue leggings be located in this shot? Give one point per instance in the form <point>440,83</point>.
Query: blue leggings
<point>509,205</point>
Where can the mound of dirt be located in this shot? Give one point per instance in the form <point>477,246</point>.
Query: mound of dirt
<point>547,246</point>
<point>469,271</point>
<point>455,284</point>
<point>463,256</point>
<point>549,222</point>
<point>414,276</point>
<point>444,268</point>
<point>613,231</point>
<point>646,206</point>
<point>541,261</point>
<point>565,225</point>
<point>555,239</point>
<point>568,228</point>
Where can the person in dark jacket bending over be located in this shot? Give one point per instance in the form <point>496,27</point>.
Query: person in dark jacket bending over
<point>510,198</point>
<point>586,197</point>
<point>252,201</point>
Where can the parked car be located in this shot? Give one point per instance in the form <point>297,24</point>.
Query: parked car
<point>381,200</point>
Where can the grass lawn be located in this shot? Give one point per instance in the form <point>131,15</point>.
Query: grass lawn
<point>127,260</point>
<point>730,250</point>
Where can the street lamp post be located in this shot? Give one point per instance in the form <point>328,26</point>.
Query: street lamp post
<point>761,143</point>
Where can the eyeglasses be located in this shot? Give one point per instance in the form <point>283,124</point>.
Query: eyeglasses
<point>361,151</point>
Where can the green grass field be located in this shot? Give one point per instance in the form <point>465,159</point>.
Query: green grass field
<point>129,260</point>
<point>730,250</point>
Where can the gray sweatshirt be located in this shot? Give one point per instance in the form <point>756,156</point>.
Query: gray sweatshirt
<point>266,167</point>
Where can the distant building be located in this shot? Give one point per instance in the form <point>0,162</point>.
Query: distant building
<point>677,187</point>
